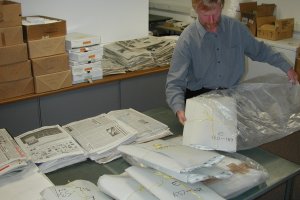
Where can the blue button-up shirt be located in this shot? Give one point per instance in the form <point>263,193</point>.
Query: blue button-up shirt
<point>204,59</point>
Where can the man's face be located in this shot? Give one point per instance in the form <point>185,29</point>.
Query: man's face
<point>210,18</point>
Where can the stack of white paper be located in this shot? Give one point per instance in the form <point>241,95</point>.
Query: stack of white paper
<point>211,123</point>
<point>75,190</point>
<point>12,157</point>
<point>100,135</point>
<point>175,160</point>
<point>167,188</point>
<point>85,54</point>
<point>123,187</point>
<point>147,128</point>
<point>25,185</point>
<point>49,145</point>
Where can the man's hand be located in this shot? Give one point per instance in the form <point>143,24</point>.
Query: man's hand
<point>181,116</point>
<point>293,76</point>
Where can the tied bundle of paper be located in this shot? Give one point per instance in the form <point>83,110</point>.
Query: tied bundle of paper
<point>99,136</point>
<point>167,187</point>
<point>182,162</point>
<point>211,123</point>
<point>51,148</point>
<point>147,128</point>
<point>247,174</point>
<point>75,190</point>
<point>12,157</point>
<point>124,187</point>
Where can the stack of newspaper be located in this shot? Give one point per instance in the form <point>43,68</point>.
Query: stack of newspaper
<point>51,148</point>
<point>147,128</point>
<point>110,67</point>
<point>162,52</point>
<point>13,158</point>
<point>140,53</point>
<point>101,135</point>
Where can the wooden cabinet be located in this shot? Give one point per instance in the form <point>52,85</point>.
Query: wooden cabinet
<point>20,116</point>
<point>140,90</point>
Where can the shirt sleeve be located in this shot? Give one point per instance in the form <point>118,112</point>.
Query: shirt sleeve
<point>259,51</point>
<point>177,76</point>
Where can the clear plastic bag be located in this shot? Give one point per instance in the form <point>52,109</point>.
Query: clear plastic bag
<point>268,108</point>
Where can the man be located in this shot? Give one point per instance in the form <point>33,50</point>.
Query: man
<point>210,54</point>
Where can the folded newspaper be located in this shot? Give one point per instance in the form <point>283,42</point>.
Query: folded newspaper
<point>101,135</point>
<point>12,158</point>
<point>51,148</point>
<point>147,128</point>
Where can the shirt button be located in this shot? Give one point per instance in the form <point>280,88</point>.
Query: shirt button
<point>219,62</point>
<point>218,49</point>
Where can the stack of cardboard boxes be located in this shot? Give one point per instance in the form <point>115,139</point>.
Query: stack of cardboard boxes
<point>15,70</point>
<point>262,23</point>
<point>46,47</point>
<point>85,55</point>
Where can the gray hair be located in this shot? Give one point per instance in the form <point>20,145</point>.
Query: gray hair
<point>206,3</point>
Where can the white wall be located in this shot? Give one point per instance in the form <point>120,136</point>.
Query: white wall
<point>111,19</point>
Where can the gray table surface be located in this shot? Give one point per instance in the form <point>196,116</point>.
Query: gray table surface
<point>91,171</point>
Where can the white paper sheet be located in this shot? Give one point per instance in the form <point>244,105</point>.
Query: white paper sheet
<point>75,190</point>
<point>123,187</point>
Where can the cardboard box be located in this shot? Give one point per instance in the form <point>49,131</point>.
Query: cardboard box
<point>10,14</point>
<point>13,54</point>
<point>50,64</point>
<point>15,71</point>
<point>87,72</point>
<point>16,88</point>
<point>11,36</point>
<point>46,47</point>
<point>76,40</point>
<point>265,10</point>
<point>248,15</point>
<point>42,31</point>
<point>273,29</point>
<point>54,81</point>
<point>250,12</point>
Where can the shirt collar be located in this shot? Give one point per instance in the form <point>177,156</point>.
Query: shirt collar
<point>202,30</point>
